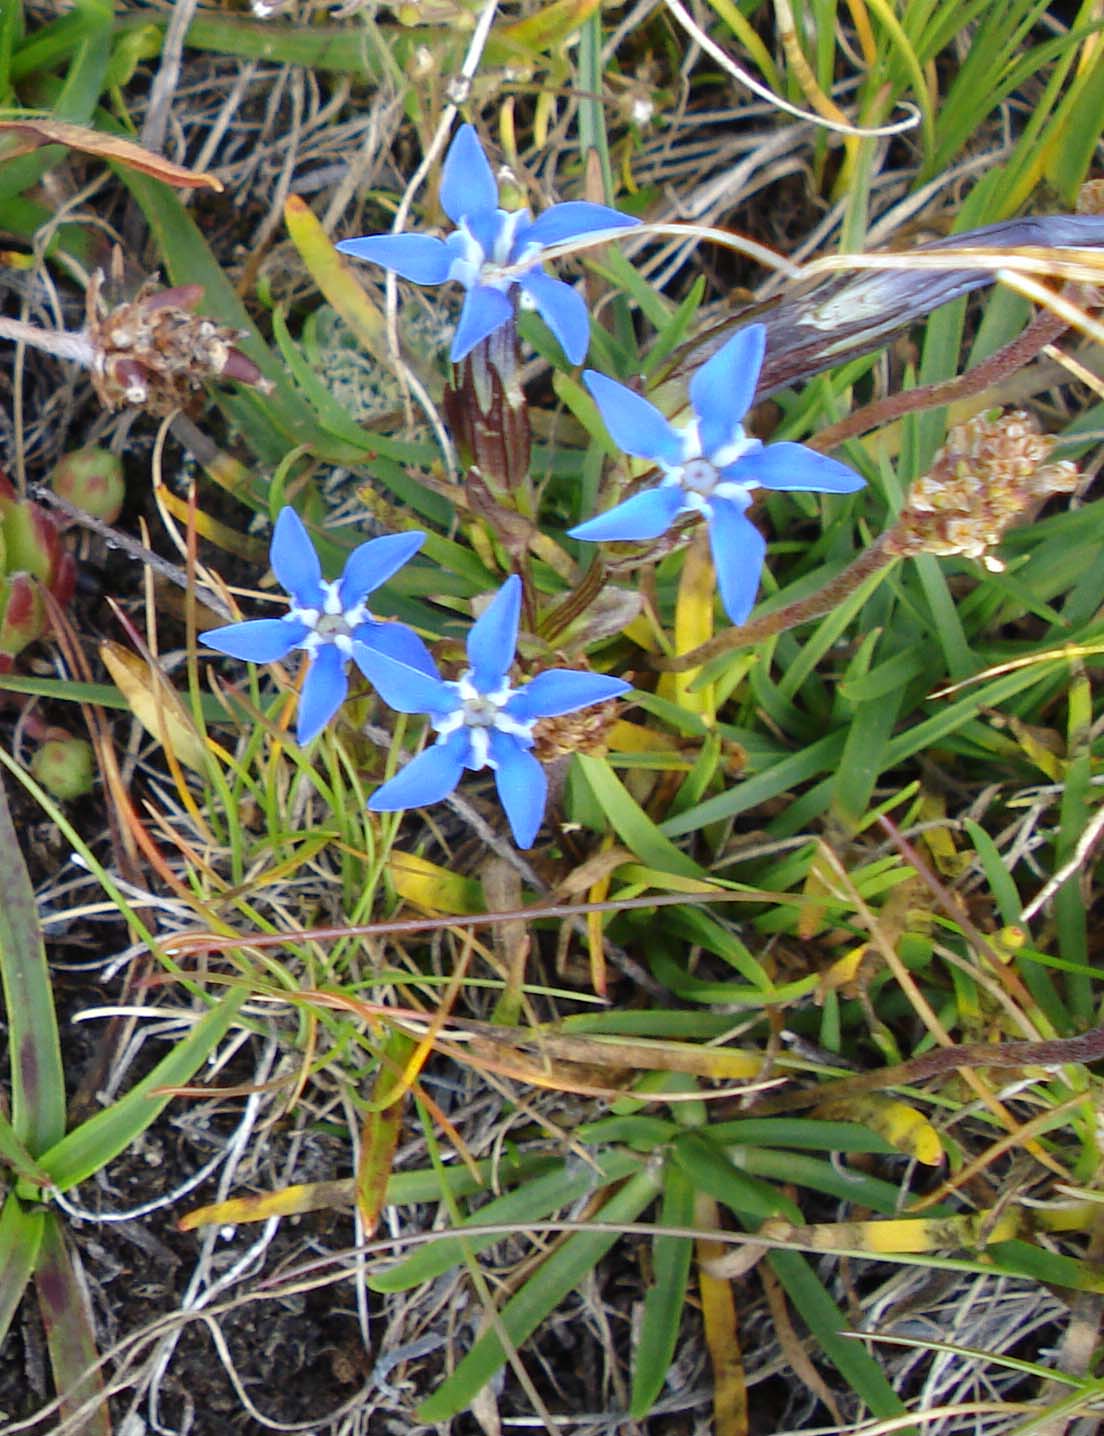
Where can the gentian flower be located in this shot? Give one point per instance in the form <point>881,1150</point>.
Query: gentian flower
<point>485,242</point>
<point>710,466</point>
<point>480,720</point>
<point>325,620</point>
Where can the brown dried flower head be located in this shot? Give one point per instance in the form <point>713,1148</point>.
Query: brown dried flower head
<point>992,469</point>
<point>586,731</point>
<point>156,354</point>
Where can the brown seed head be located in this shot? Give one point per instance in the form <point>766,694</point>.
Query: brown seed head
<point>991,470</point>
<point>583,732</point>
<point>155,354</point>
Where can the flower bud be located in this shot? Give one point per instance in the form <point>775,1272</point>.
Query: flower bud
<point>63,765</point>
<point>22,613</point>
<point>31,542</point>
<point>92,480</point>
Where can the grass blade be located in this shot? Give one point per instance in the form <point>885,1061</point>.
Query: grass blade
<point>38,1084</point>
<point>564,1270</point>
<point>665,1297</point>
<point>70,1331</point>
<point>95,1142</point>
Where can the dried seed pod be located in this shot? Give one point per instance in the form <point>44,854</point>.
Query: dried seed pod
<point>584,731</point>
<point>992,470</point>
<point>155,353</point>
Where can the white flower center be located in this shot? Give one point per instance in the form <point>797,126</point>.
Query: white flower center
<point>473,265</point>
<point>701,477</point>
<point>331,623</point>
<point>482,713</point>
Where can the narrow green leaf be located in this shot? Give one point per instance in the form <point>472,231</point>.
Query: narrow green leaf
<point>20,1237</point>
<point>827,1323</point>
<point>810,1133</point>
<point>70,1331</point>
<point>665,1298</point>
<point>630,822</point>
<point>1045,1266</point>
<point>14,1154</point>
<point>565,1270</point>
<point>96,1142</point>
<point>709,1170</point>
<point>864,756</point>
<point>1002,885</point>
<point>812,761</point>
<point>537,1198</point>
<point>1076,811</point>
<point>38,1082</point>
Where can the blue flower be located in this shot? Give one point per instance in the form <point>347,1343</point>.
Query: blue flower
<point>486,241</point>
<point>710,466</point>
<point>325,619</point>
<point>480,720</point>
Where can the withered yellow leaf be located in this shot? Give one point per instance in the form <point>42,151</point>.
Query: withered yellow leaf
<point>155,703</point>
<point>45,131</point>
<point>902,1126</point>
<point>434,888</point>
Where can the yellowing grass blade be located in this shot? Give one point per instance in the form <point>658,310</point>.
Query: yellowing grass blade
<point>154,702</point>
<point>380,1134</point>
<point>693,627</point>
<point>722,1331</point>
<point>289,1201</point>
<point>433,888</point>
<point>549,25</point>
<point>334,277</point>
<point>903,1127</point>
<point>968,1232</point>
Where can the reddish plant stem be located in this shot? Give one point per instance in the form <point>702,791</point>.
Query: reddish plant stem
<point>881,553</point>
<point>1050,1052</point>
<point>1043,330</point>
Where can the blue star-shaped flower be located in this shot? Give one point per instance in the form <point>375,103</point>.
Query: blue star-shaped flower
<point>486,241</point>
<point>480,720</point>
<point>325,619</point>
<point>710,466</point>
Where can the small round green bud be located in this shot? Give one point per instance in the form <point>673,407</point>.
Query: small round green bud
<point>64,767</point>
<point>92,479</point>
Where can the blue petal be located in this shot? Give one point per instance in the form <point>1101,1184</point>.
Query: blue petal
<point>426,779</point>
<point>563,309</point>
<point>486,228</point>
<point>403,687</point>
<point>493,637</point>
<point>396,641</point>
<point>417,257</point>
<point>323,692</point>
<point>635,425</point>
<point>562,690</point>
<point>793,466</point>
<point>522,787</point>
<point>722,389</point>
<point>374,562</point>
<point>294,561</point>
<point>262,640</point>
<point>738,553</point>
<point>467,181</point>
<point>484,311</point>
<point>644,516</point>
<point>569,221</point>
